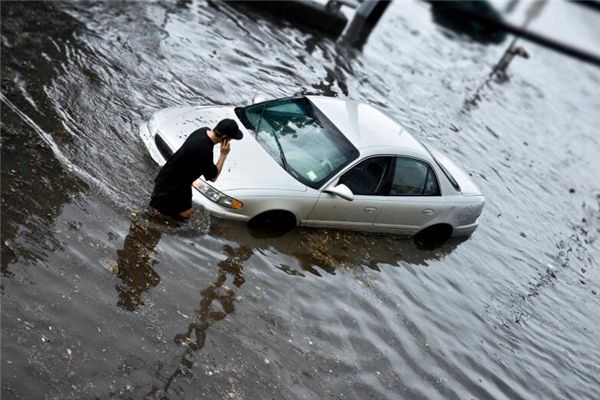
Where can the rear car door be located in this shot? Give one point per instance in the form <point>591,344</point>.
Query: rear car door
<point>413,197</point>
<point>365,180</point>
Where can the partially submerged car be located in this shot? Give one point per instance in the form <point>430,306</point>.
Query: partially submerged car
<point>324,162</point>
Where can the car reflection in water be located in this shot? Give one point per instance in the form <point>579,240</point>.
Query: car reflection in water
<point>316,252</point>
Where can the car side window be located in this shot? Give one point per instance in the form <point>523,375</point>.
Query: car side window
<point>413,178</point>
<point>367,177</point>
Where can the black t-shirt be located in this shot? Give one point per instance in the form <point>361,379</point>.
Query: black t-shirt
<point>173,186</point>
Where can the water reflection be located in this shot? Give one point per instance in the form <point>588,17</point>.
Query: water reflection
<point>135,264</point>
<point>137,258</point>
<point>337,73</point>
<point>448,14</point>
<point>326,250</point>
<point>318,252</point>
<point>216,302</point>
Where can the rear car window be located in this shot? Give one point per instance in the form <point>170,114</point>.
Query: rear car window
<point>413,178</point>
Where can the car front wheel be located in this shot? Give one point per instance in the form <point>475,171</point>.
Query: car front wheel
<point>279,220</point>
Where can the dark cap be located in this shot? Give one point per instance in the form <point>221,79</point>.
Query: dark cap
<point>229,128</point>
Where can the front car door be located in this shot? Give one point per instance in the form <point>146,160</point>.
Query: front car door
<point>366,180</point>
<point>412,200</point>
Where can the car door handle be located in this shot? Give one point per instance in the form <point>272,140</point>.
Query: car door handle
<point>427,211</point>
<point>370,210</point>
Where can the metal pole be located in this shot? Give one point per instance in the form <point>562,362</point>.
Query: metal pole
<point>365,19</point>
<point>566,49</point>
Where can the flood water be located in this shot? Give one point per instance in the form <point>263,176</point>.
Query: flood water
<point>99,301</point>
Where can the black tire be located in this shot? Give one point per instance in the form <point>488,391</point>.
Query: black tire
<point>433,237</point>
<point>275,221</point>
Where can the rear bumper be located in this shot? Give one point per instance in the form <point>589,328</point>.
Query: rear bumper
<point>215,209</point>
<point>464,230</point>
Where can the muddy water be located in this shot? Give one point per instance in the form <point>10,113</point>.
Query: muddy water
<point>101,300</point>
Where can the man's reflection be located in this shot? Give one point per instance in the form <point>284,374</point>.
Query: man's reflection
<point>216,302</point>
<point>315,250</point>
<point>135,262</point>
<point>195,333</point>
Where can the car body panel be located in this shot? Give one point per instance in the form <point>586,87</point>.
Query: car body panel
<point>407,214</point>
<point>467,186</point>
<point>298,203</point>
<point>331,211</point>
<point>252,176</point>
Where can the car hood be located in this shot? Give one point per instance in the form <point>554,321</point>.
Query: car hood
<point>248,165</point>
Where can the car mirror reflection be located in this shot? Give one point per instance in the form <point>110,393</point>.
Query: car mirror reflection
<point>259,97</point>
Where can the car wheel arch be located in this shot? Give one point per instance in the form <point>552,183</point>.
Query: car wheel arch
<point>434,235</point>
<point>275,217</point>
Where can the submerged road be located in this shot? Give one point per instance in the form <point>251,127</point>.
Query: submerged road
<point>100,302</point>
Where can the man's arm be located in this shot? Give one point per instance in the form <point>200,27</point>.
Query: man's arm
<point>225,147</point>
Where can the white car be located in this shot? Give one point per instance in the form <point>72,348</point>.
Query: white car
<point>324,162</point>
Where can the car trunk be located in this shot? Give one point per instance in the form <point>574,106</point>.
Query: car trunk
<point>464,181</point>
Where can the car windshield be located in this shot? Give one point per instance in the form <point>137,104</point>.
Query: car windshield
<point>300,138</point>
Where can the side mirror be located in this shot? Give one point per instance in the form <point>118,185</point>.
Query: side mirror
<point>341,190</point>
<point>259,98</point>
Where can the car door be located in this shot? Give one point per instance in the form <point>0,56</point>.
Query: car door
<point>365,180</point>
<point>412,197</point>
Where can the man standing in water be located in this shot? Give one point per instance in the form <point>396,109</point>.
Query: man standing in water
<point>172,194</point>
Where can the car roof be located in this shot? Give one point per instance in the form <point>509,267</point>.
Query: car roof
<point>366,126</point>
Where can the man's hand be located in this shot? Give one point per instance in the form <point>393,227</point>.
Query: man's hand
<point>225,147</point>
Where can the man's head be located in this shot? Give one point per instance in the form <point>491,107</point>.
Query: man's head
<point>228,129</point>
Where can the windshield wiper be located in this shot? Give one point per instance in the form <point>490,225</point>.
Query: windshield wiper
<point>283,160</point>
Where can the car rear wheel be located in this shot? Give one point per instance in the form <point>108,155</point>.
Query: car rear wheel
<point>433,236</point>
